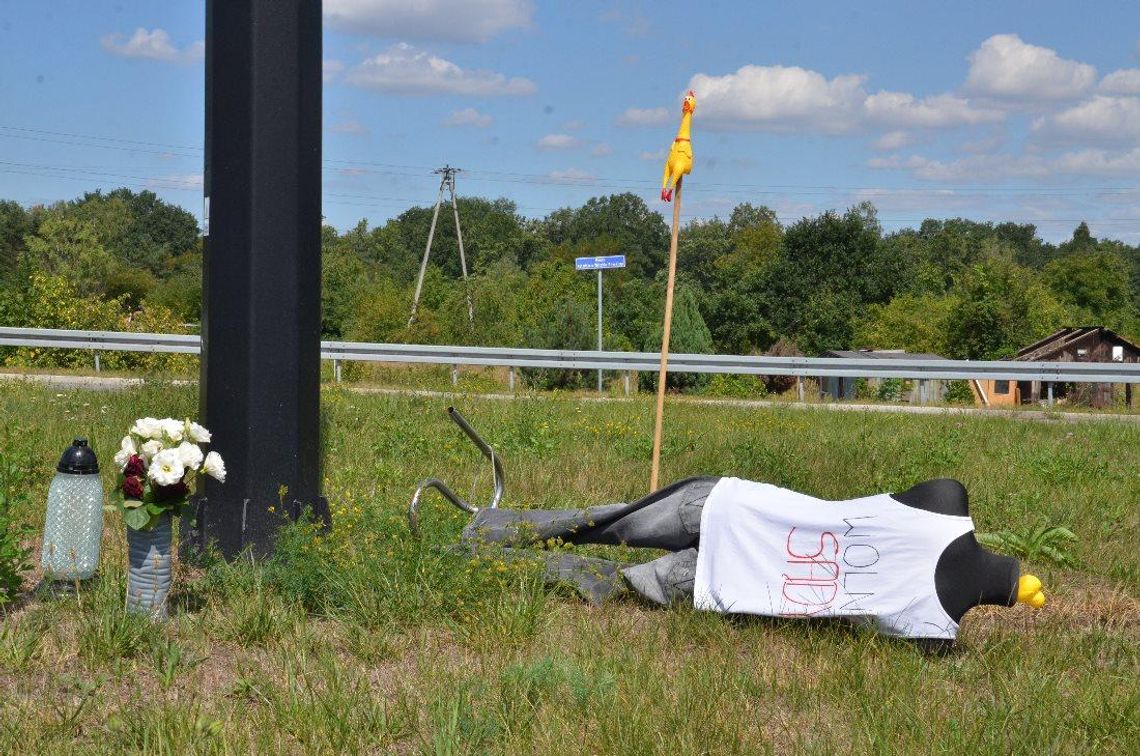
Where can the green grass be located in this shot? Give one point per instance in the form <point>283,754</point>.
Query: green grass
<point>366,640</point>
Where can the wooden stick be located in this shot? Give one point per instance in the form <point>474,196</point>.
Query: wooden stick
<point>665,338</point>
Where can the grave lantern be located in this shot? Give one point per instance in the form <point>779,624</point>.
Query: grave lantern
<point>73,529</point>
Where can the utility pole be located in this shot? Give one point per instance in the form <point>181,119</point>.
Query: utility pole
<point>446,181</point>
<point>261,309</point>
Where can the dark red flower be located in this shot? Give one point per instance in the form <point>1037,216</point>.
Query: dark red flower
<point>132,487</point>
<point>171,492</point>
<point>135,466</point>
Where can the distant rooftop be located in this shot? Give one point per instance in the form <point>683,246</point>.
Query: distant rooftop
<point>882,354</point>
<point>1069,338</point>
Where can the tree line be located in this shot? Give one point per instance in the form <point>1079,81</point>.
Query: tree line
<point>747,283</point>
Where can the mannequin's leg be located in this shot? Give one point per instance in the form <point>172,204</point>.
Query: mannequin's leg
<point>666,519</point>
<point>665,580</point>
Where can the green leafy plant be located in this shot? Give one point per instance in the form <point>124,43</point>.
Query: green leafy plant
<point>890,390</point>
<point>14,554</point>
<point>1046,543</point>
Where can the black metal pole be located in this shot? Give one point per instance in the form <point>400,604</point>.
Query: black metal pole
<point>260,370</point>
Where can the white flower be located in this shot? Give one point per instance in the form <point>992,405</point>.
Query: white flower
<point>125,453</point>
<point>215,467</point>
<point>190,454</point>
<point>173,429</point>
<point>147,427</point>
<point>166,468</point>
<point>198,434</point>
<point>151,448</point>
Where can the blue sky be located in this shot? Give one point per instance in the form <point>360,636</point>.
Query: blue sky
<point>1025,111</point>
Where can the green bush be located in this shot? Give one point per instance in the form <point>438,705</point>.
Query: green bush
<point>14,555</point>
<point>959,392</point>
<point>52,302</point>
<point>736,386</point>
<point>689,335</point>
<point>890,390</point>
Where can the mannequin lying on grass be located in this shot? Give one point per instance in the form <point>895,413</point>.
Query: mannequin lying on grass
<point>906,564</point>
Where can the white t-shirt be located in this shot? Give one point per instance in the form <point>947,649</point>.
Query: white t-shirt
<point>767,550</point>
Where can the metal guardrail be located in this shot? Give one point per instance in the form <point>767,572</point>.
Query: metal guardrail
<point>814,367</point>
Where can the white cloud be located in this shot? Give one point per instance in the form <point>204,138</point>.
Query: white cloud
<point>1100,163</point>
<point>654,156</point>
<point>559,142</point>
<point>1099,119</point>
<point>644,117</point>
<point>570,176</point>
<point>601,150</point>
<point>1126,81</point>
<point>893,140</point>
<point>969,169</point>
<point>403,69</point>
<point>153,44</point>
<point>779,98</point>
<point>330,69</point>
<point>998,167</point>
<point>900,109</point>
<point>435,20</point>
<point>574,125</point>
<point>350,126</point>
<point>791,99</point>
<point>1005,67</point>
<point>468,117</point>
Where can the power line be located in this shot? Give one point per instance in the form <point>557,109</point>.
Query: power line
<point>371,202</point>
<point>491,175</point>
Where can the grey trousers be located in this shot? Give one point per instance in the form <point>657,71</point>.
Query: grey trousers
<point>667,519</point>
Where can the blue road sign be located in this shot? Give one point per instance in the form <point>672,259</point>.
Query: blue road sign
<point>599,263</point>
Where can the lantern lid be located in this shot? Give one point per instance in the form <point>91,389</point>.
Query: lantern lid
<point>78,459</point>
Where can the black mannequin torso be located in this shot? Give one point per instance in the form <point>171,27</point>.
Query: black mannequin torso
<point>967,575</point>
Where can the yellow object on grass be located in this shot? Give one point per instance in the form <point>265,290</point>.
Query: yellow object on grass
<point>1029,591</point>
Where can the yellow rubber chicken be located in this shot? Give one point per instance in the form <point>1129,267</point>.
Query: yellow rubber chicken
<point>1029,591</point>
<point>680,160</point>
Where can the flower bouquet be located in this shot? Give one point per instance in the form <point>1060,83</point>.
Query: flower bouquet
<point>160,461</point>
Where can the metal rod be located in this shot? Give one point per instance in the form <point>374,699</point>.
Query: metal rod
<point>613,361</point>
<point>496,468</point>
<point>599,326</point>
